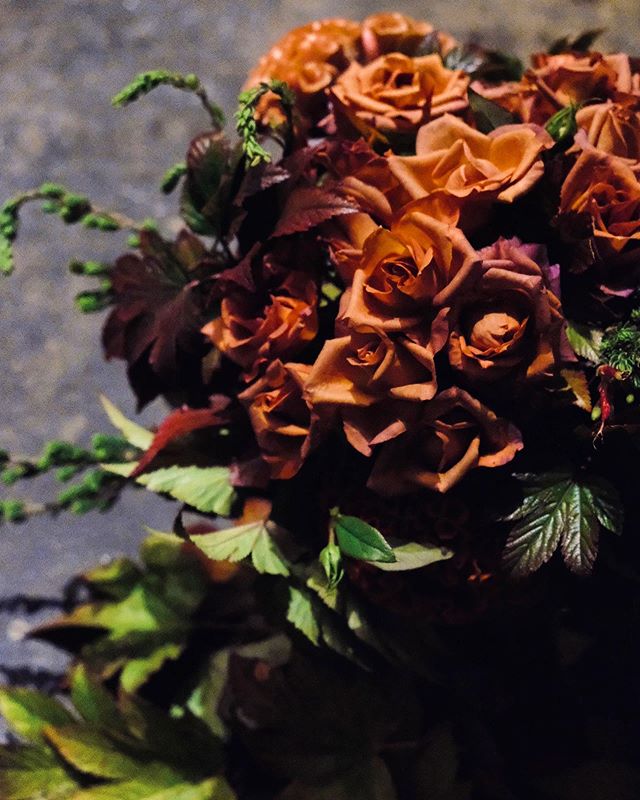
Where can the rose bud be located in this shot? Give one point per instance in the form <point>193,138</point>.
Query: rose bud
<point>455,434</point>
<point>392,32</point>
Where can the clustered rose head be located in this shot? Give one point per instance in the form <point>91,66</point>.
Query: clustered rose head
<point>442,310</point>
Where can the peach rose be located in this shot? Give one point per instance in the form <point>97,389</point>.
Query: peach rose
<point>605,188</point>
<point>395,94</point>
<point>392,32</point>
<point>406,272</point>
<point>280,418</point>
<point>556,81</point>
<point>613,128</point>
<point>309,59</point>
<point>368,379</point>
<point>455,434</point>
<point>251,334</point>
<point>509,321</point>
<point>457,160</point>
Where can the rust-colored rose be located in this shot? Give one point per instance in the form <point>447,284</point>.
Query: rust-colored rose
<point>606,189</point>
<point>309,59</point>
<point>280,417</point>
<point>455,434</point>
<point>556,81</point>
<point>395,94</point>
<point>393,32</point>
<point>251,331</point>
<point>455,159</point>
<point>370,378</point>
<point>406,272</point>
<point>509,322</point>
<point>613,128</point>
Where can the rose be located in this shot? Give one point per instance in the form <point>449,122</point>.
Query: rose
<point>508,322</point>
<point>457,160</point>
<point>252,329</point>
<point>281,420</point>
<point>406,272</point>
<point>606,189</point>
<point>455,434</point>
<point>556,81</point>
<point>397,33</point>
<point>613,128</point>
<point>371,378</point>
<point>396,94</point>
<point>308,59</point>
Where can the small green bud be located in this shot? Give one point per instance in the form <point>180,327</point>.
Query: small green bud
<point>65,474</point>
<point>11,475</point>
<point>630,398</point>
<point>596,413</point>
<point>331,560</point>
<point>53,190</point>
<point>133,240</point>
<point>191,81</point>
<point>12,510</point>
<point>89,302</point>
<point>50,207</point>
<point>82,505</point>
<point>101,222</point>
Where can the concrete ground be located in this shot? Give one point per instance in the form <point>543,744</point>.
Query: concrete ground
<point>60,62</point>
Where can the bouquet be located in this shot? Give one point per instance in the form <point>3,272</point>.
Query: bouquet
<point>399,332</point>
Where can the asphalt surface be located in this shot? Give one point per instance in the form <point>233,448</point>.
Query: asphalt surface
<point>60,62</point>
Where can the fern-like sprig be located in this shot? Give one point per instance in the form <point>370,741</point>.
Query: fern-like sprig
<point>246,123</point>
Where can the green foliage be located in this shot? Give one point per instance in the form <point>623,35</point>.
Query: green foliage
<point>585,341</point>
<point>135,434</point>
<point>413,555</point>
<point>172,176</point>
<point>146,82</point>
<point>235,544</point>
<point>12,511</point>
<point>357,539</point>
<point>560,510</point>
<point>621,348</point>
<point>331,560</point>
<point>207,489</point>
<point>562,126</point>
<point>146,616</point>
<point>300,613</point>
<point>246,124</point>
<point>107,749</point>
<point>487,114</point>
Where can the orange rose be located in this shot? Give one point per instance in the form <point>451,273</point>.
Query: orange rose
<point>613,128</point>
<point>407,271</point>
<point>309,59</point>
<point>280,418</point>
<point>556,81</point>
<point>397,33</point>
<point>251,334</point>
<point>455,434</point>
<point>605,188</point>
<point>396,94</point>
<point>459,161</point>
<point>365,376</point>
<point>508,322</point>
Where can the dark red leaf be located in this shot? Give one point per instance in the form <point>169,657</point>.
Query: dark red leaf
<point>307,207</point>
<point>179,423</point>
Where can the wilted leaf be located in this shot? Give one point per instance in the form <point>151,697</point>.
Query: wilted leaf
<point>578,385</point>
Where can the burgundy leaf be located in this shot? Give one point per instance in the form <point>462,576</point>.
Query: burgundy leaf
<point>307,207</point>
<point>179,423</point>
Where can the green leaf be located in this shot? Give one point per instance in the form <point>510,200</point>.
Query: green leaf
<point>559,510</point>
<point>489,115</point>
<point>94,703</point>
<point>235,544</point>
<point>135,434</point>
<point>331,560</point>
<point>586,342</point>
<point>34,773</point>
<point>155,785</point>
<point>413,555</point>
<point>92,752</point>
<point>562,126</point>
<point>301,615</point>
<point>360,540</point>
<point>207,489</point>
<point>28,712</point>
